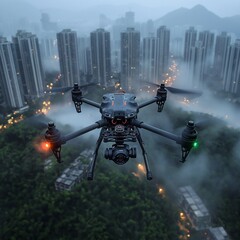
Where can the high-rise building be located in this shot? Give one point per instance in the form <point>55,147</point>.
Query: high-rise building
<point>231,75</point>
<point>116,61</point>
<point>147,29</point>
<point>49,53</point>
<point>10,81</point>
<point>48,48</point>
<point>119,26</point>
<point>149,67</point>
<point>189,42</point>
<point>207,39</point>
<point>222,43</point>
<point>162,57</point>
<point>194,208</point>
<point>195,65</point>
<point>101,56</point>
<point>68,57</point>
<point>29,64</point>
<point>130,58</point>
<point>176,47</point>
<point>84,50</point>
<point>129,19</point>
<point>47,25</point>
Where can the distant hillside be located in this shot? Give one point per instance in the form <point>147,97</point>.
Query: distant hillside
<point>200,16</point>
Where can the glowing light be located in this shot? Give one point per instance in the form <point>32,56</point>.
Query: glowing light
<point>141,168</point>
<point>135,174</point>
<point>195,144</point>
<point>182,216</point>
<point>161,191</point>
<point>45,146</point>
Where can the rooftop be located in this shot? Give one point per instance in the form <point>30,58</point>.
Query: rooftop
<point>218,233</point>
<point>194,201</point>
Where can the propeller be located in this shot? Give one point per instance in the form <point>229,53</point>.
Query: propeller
<point>66,89</point>
<point>38,121</point>
<point>183,91</point>
<point>206,123</point>
<point>192,93</point>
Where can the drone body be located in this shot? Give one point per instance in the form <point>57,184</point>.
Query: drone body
<point>119,105</point>
<point>119,125</point>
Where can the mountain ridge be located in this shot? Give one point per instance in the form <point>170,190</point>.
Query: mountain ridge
<point>27,14</point>
<point>200,16</point>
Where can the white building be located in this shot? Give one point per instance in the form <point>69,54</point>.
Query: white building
<point>68,57</point>
<point>75,173</point>
<point>10,79</point>
<point>194,208</point>
<point>27,50</point>
<point>217,233</point>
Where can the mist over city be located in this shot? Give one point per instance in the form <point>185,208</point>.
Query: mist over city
<point>81,157</point>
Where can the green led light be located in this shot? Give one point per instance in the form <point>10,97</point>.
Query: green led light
<point>195,144</point>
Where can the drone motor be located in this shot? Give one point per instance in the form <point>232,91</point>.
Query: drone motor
<point>161,97</point>
<point>77,97</point>
<point>189,139</point>
<point>53,136</point>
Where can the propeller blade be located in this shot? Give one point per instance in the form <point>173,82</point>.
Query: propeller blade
<point>183,91</point>
<point>203,124</point>
<point>66,89</point>
<point>206,123</point>
<point>39,121</point>
<point>59,90</point>
<point>189,92</point>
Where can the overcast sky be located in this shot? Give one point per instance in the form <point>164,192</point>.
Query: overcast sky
<point>156,8</point>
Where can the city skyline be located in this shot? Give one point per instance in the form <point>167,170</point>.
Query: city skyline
<point>161,40</point>
<point>133,65</point>
<point>35,19</point>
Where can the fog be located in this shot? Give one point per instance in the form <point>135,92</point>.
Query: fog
<point>83,16</point>
<point>147,9</point>
<point>65,114</point>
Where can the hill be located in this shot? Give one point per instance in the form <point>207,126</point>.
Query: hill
<point>201,17</point>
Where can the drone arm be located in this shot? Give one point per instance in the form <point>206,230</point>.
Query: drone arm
<point>98,124</point>
<point>149,173</point>
<point>158,131</point>
<point>92,103</point>
<point>92,165</point>
<point>144,104</point>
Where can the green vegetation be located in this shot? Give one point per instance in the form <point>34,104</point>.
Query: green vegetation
<point>221,188</point>
<point>213,168</point>
<point>116,205</point>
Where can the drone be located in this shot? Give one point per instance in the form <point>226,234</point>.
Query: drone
<point>119,125</point>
